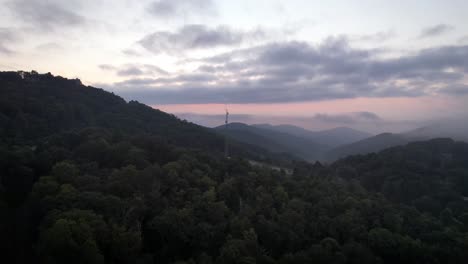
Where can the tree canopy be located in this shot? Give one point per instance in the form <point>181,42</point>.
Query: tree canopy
<point>89,178</point>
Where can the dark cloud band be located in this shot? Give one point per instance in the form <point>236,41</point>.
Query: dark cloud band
<point>194,36</point>
<point>436,30</point>
<point>181,8</point>
<point>299,71</point>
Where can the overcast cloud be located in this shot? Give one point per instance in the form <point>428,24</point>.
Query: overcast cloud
<point>7,38</point>
<point>195,36</point>
<point>181,8</point>
<point>46,15</point>
<point>436,30</point>
<point>127,70</point>
<point>299,71</point>
<point>347,118</point>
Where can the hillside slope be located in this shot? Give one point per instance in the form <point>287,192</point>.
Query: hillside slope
<point>38,105</point>
<point>273,141</point>
<point>368,145</point>
<point>33,106</point>
<point>456,129</point>
<point>331,137</point>
<point>452,128</point>
<point>435,169</point>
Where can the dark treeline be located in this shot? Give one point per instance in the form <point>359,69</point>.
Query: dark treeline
<point>89,178</point>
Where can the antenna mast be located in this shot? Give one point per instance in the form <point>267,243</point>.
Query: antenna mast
<point>226,145</point>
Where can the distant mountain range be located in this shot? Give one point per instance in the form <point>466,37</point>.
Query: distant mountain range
<point>455,129</point>
<point>331,137</point>
<point>332,144</point>
<point>274,141</point>
<point>305,144</point>
<point>368,145</point>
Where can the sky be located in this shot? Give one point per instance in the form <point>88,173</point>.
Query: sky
<point>374,65</point>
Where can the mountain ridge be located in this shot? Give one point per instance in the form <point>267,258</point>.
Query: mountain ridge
<point>331,137</point>
<point>274,141</point>
<point>454,129</point>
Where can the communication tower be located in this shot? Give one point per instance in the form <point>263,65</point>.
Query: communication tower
<point>226,143</point>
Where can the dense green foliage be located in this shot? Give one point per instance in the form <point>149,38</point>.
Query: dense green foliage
<point>118,182</point>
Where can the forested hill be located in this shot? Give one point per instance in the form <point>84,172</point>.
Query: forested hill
<point>37,105</point>
<point>115,190</point>
<point>33,106</point>
<point>431,175</point>
<point>372,144</point>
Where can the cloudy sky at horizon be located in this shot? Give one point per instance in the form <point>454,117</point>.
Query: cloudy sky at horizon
<point>374,65</point>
